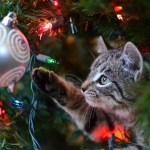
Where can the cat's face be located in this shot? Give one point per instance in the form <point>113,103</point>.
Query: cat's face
<point>112,74</point>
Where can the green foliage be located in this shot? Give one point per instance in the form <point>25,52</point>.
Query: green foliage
<point>98,17</point>
<point>91,18</point>
<point>142,105</point>
<point>92,7</point>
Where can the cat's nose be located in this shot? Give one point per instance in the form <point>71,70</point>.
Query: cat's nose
<point>83,89</point>
<point>84,86</point>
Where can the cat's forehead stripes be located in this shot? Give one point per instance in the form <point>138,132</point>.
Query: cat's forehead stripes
<point>99,61</point>
<point>96,76</point>
<point>97,72</point>
<point>106,57</point>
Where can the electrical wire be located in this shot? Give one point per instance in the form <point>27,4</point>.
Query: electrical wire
<point>34,104</point>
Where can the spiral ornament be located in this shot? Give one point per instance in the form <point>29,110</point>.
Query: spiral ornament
<point>14,51</point>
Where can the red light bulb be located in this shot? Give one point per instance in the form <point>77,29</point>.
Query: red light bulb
<point>3,111</point>
<point>55,3</point>
<point>118,8</point>
<point>47,26</point>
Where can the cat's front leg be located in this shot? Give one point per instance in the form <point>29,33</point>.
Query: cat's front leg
<point>50,83</point>
<point>65,93</point>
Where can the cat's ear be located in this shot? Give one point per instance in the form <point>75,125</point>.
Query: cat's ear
<point>132,60</point>
<point>101,46</point>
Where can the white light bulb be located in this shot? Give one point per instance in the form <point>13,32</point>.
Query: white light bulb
<point>119,16</point>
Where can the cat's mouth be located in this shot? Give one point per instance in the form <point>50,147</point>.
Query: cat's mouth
<point>104,102</point>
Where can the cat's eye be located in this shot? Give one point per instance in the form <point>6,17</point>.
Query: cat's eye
<point>103,80</point>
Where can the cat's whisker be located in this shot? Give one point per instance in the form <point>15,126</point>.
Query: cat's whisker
<point>92,54</point>
<point>72,75</point>
<point>79,103</point>
<point>91,114</point>
<point>83,104</point>
<point>86,112</point>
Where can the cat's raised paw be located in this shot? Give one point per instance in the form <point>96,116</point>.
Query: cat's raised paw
<point>39,75</point>
<point>42,77</point>
<point>48,81</point>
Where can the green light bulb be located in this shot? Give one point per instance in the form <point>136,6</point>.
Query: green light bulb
<point>51,61</point>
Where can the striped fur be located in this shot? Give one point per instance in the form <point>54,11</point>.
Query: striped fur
<point>99,105</point>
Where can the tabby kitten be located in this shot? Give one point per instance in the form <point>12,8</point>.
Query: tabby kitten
<point>103,105</point>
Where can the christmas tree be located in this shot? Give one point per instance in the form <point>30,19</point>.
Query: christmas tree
<point>61,35</point>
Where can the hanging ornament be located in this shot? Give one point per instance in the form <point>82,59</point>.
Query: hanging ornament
<point>14,51</point>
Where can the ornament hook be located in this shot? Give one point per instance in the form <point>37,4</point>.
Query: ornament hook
<point>10,20</point>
